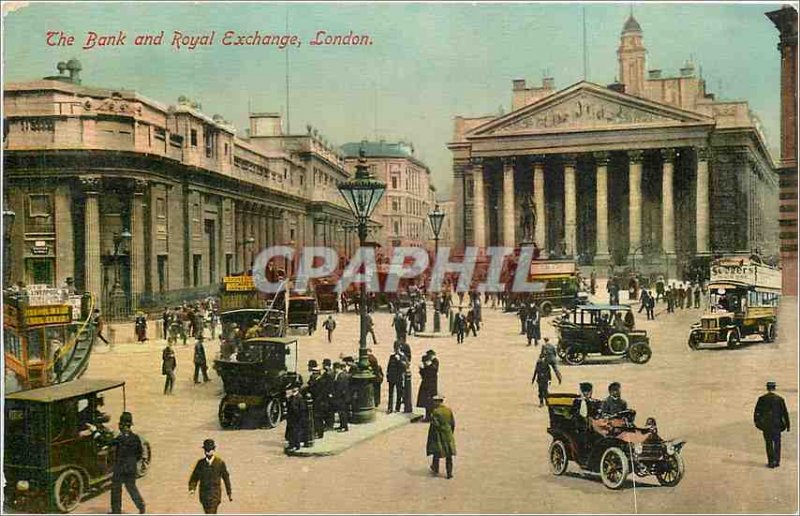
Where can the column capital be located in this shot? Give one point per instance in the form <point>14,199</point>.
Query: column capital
<point>703,153</point>
<point>140,186</point>
<point>601,158</point>
<point>460,166</point>
<point>636,155</point>
<point>476,161</point>
<point>569,159</point>
<point>538,159</point>
<point>509,161</point>
<point>669,154</point>
<point>91,184</point>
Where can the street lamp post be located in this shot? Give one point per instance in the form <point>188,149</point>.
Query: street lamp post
<point>362,194</point>
<point>436,218</point>
<point>8,223</point>
<point>117,292</point>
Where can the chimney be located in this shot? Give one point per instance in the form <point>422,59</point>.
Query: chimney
<point>687,70</point>
<point>265,124</point>
<point>548,83</point>
<point>616,86</point>
<point>654,74</point>
<point>519,84</point>
<point>74,67</point>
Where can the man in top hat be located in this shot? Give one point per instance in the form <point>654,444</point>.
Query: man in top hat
<point>129,453</point>
<point>395,376</point>
<point>771,417</point>
<point>341,395</point>
<point>200,364</point>
<point>319,399</point>
<point>208,472</point>
<point>441,441</point>
<point>295,418</point>
<point>614,404</point>
<point>326,392</point>
<point>429,384</point>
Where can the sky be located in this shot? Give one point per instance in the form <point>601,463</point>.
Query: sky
<point>427,62</point>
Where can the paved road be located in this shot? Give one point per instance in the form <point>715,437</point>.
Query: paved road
<point>705,397</point>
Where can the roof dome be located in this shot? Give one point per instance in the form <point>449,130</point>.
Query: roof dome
<point>631,25</point>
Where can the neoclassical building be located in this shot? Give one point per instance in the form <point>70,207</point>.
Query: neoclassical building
<point>85,165</point>
<point>650,168</point>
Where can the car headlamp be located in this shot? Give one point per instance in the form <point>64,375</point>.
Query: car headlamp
<point>242,406</point>
<point>23,485</point>
<point>670,449</point>
<point>638,448</point>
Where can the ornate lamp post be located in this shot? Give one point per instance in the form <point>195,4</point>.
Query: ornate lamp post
<point>117,293</point>
<point>436,217</point>
<point>8,223</point>
<point>362,195</point>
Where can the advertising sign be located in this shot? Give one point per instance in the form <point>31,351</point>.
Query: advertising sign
<point>238,283</point>
<point>44,315</point>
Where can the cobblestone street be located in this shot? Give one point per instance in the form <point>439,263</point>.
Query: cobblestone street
<point>705,397</point>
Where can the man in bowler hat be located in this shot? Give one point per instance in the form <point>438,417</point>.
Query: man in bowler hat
<point>129,453</point>
<point>772,418</point>
<point>209,472</point>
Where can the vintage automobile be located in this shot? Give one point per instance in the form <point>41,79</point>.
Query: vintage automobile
<point>53,457</point>
<point>612,447</point>
<point>557,286</point>
<point>600,329</point>
<point>303,313</point>
<point>743,298</point>
<point>255,381</point>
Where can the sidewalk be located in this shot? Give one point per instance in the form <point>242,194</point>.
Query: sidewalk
<point>335,442</point>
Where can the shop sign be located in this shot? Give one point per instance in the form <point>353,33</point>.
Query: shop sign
<point>238,283</point>
<point>52,314</point>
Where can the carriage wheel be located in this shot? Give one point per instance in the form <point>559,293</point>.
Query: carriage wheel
<point>574,356</point>
<point>274,412</point>
<point>672,473</point>
<point>558,457</point>
<point>618,343</point>
<point>224,415</point>
<point>694,341</point>
<point>614,468</point>
<point>640,353</point>
<point>68,490</point>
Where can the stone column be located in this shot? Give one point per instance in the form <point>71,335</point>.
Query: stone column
<point>137,241</point>
<point>93,273</point>
<point>703,216</point>
<point>570,205</point>
<point>65,255</point>
<point>458,202</point>
<point>261,231</point>
<point>478,205</point>
<point>540,235</point>
<point>602,254</point>
<point>635,158</point>
<point>668,206</point>
<point>509,223</point>
<point>240,236</point>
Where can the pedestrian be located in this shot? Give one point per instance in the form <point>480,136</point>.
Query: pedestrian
<point>407,392</point>
<point>650,309</point>
<point>400,325</point>
<point>644,299</point>
<point>533,325</point>
<point>168,366</point>
<point>394,376</point>
<point>522,313</point>
<point>129,451</point>
<point>697,294</point>
<point>542,376</point>
<point>295,418</point>
<point>771,417</point>
<point>319,399</point>
<point>681,296</point>
<point>209,473</point>
<point>326,391</point>
<point>477,309</point>
<point>140,324</point>
<point>592,282</point>
<point>670,297</point>
<point>429,384</point>
<point>460,326</point>
<point>200,363</point>
<point>441,439</point>
<point>166,318</point>
<point>370,329</point>
<point>97,320</point>
<point>471,323</point>
<point>377,372</point>
<point>329,325</point>
<point>550,352</point>
<point>410,321</point>
<point>341,395</point>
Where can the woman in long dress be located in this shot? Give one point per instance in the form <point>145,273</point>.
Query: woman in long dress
<point>429,386</point>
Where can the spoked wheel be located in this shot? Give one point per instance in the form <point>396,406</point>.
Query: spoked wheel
<point>558,457</point>
<point>574,356</point>
<point>672,471</point>
<point>143,466</point>
<point>614,468</point>
<point>274,412</point>
<point>733,339</point>
<point>618,343</point>
<point>694,341</point>
<point>68,490</point>
<point>640,353</point>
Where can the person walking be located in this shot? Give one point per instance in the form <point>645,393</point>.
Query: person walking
<point>209,472</point>
<point>542,376</point>
<point>370,329</point>
<point>429,384</point>
<point>407,390</point>
<point>771,417</point>
<point>522,313</point>
<point>394,376</point>
<point>460,326</point>
<point>200,363</point>
<point>295,418</point>
<point>319,401</point>
<point>377,371</point>
<point>441,440</point>
<point>400,326</point>
<point>140,324</point>
<point>644,300</point>
<point>326,392</point>
<point>341,395</point>
<point>97,319</point>
<point>650,308</point>
<point>533,325</point>
<point>166,318</point>
<point>168,366</point>
<point>329,325</point>
<point>697,294</point>
<point>129,452</point>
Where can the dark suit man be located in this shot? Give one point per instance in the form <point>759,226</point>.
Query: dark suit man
<point>772,418</point>
<point>326,391</point>
<point>129,452</point>
<point>341,396</point>
<point>200,364</point>
<point>614,404</point>
<point>209,472</point>
<point>316,387</point>
<point>295,418</point>
<point>395,372</point>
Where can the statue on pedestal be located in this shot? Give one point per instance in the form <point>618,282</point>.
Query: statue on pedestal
<point>528,220</point>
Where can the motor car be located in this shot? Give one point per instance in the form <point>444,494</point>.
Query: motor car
<point>53,457</point>
<point>303,313</point>
<point>612,447</point>
<point>601,329</point>
<point>255,380</point>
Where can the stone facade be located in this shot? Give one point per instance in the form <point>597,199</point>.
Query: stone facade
<point>785,20</point>
<point>82,165</point>
<point>652,168</point>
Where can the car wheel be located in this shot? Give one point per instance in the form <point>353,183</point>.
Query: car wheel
<point>143,466</point>
<point>672,471</point>
<point>68,490</point>
<point>274,412</point>
<point>546,308</point>
<point>733,339</point>
<point>614,468</point>
<point>558,457</point>
<point>694,341</point>
<point>618,343</point>
<point>574,356</point>
<point>640,353</point>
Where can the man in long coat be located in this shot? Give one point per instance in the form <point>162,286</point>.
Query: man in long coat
<point>394,376</point>
<point>209,472</point>
<point>533,325</point>
<point>200,363</point>
<point>295,418</point>
<point>168,365</point>
<point>400,325</point>
<point>429,385</point>
<point>341,396</point>
<point>771,417</point>
<point>441,441</point>
<point>129,453</point>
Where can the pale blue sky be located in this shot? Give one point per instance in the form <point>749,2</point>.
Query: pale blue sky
<point>428,62</point>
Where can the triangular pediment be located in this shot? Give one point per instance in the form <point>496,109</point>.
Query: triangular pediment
<point>587,107</point>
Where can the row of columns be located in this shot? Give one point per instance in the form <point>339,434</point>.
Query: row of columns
<point>601,159</point>
<point>261,223</point>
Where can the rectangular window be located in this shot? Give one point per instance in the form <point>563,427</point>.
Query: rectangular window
<point>193,137</point>
<point>39,205</point>
<point>162,273</point>
<point>161,208</point>
<point>196,269</point>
